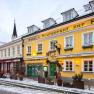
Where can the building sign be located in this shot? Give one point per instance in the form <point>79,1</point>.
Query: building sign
<point>62,30</point>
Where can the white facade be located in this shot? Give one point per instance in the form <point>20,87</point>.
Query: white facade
<point>11,49</point>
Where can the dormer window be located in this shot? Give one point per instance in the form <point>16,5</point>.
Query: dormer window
<point>68,15</point>
<point>48,22</point>
<point>32,29</point>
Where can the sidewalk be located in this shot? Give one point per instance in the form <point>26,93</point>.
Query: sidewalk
<point>30,82</point>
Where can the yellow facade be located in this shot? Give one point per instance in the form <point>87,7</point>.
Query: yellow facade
<point>77,55</point>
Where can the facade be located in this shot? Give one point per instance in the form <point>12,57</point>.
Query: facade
<point>11,54</point>
<point>68,47</point>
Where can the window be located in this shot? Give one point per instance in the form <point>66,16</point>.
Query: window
<point>1,53</point>
<point>68,42</point>
<point>18,49</point>
<point>88,39</point>
<point>5,52</point>
<point>68,66</point>
<point>52,45</point>
<point>29,50</point>
<point>39,49</point>
<point>8,51</point>
<point>88,66</point>
<point>13,51</point>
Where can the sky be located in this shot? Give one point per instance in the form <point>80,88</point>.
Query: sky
<point>29,12</point>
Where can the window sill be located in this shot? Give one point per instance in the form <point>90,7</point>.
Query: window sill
<point>87,46</point>
<point>67,71</point>
<point>28,54</point>
<point>68,48</point>
<point>88,72</point>
<point>39,52</point>
<point>50,51</point>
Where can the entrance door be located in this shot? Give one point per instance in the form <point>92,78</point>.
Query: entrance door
<point>29,67</point>
<point>52,69</point>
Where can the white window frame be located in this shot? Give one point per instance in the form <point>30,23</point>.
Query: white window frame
<point>13,51</point>
<point>50,45</point>
<point>27,52</point>
<point>37,47</point>
<point>18,50</point>
<point>72,65</point>
<point>8,52</point>
<point>83,38</point>
<point>65,41</point>
<point>92,65</point>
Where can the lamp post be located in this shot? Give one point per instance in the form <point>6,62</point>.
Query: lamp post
<point>89,83</point>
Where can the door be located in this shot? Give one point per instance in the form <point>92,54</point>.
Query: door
<point>29,67</point>
<point>52,69</point>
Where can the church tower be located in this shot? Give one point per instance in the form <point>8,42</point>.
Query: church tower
<point>14,35</point>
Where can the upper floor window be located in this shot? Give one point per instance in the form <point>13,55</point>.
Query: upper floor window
<point>52,45</point>
<point>39,47</point>
<point>1,53</point>
<point>18,49</point>
<point>13,51</point>
<point>68,42</point>
<point>87,39</point>
<point>88,66</point>
<point>5,52</point>
<point>8,51</point>
<point>28,50</point>
<point>68,66</point>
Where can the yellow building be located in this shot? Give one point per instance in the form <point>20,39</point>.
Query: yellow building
<point>68,47</point>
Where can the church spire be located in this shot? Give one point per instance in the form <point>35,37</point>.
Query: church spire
<point>14,35</point>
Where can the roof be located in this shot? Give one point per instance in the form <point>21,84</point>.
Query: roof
<point>60,24</point>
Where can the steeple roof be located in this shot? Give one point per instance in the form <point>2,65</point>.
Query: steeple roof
<point>14,35</point>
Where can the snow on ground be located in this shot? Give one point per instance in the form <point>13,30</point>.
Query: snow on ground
<point>18,90</point>
<point>35,83</point>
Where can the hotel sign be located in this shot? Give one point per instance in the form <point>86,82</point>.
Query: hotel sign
<point>62,30</point>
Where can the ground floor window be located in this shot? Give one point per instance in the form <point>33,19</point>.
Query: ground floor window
<point>88,66</point>
<point>68,66</point>
<point>33,69</point>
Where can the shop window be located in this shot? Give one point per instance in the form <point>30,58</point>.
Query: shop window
<point>68,43</point>
<point>88,39</point>
<point>88,66</point>
<point>68,66</point>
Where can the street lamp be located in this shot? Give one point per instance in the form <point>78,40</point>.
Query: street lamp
<point>89,83</point>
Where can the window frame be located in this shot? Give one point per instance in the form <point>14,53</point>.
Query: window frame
<point>50,45</point>
<point>27,50</point>
<point>88,66</point>
<point>38,48</point>
<point>70,47</point>
<point>69,65</point>
<point>84,45</point>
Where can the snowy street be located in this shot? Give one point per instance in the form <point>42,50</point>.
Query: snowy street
<point>18,90</point>
<point>29,86</point>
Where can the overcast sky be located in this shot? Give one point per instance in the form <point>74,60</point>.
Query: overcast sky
<point>28,12</point>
